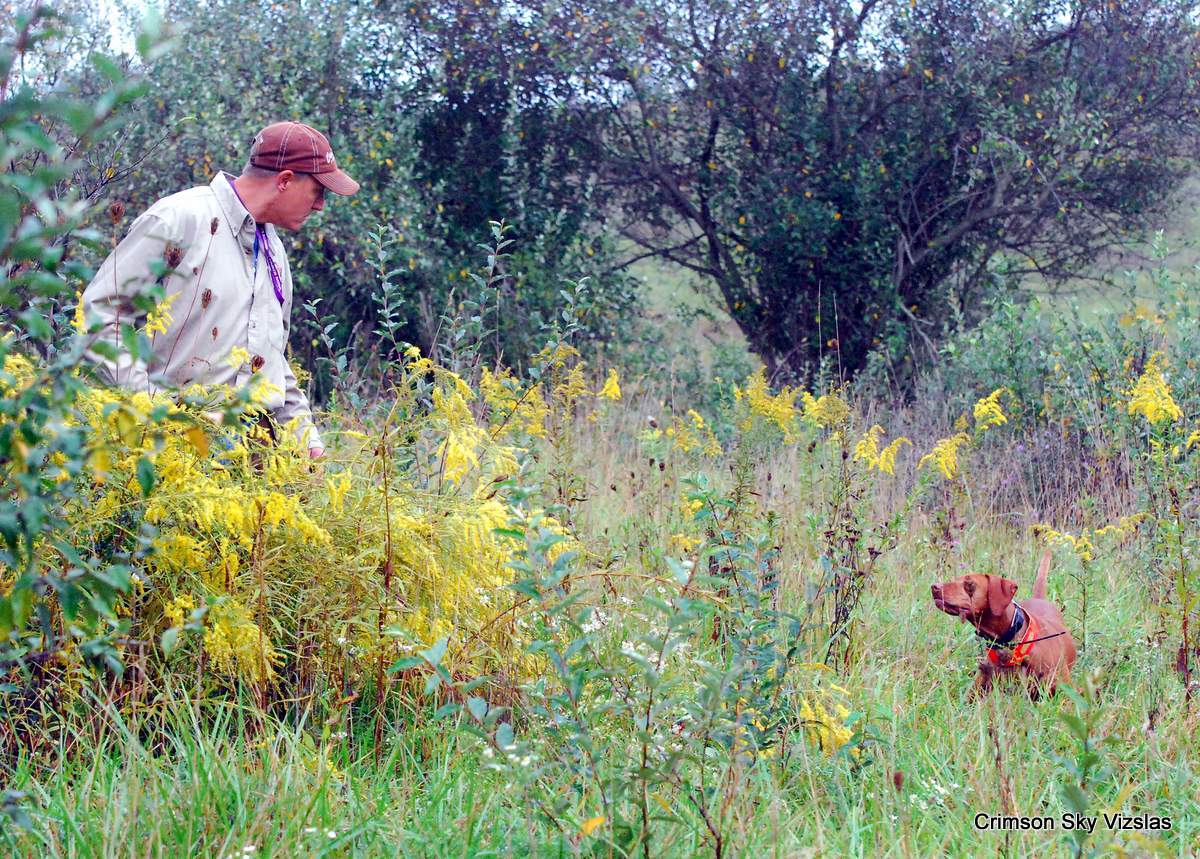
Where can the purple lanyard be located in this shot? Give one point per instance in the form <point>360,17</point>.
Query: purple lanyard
<point>260,239</point>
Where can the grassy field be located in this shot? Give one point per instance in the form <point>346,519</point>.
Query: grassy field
<point>216,777</point>
<point>616,626</point>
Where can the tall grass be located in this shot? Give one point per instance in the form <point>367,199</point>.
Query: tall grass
<point>217,775</point>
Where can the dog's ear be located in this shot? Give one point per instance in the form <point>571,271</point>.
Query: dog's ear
<point>1000,593</point>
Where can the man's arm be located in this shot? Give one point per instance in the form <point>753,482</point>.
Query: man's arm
<point>295,405</point>
<point>109,300</point>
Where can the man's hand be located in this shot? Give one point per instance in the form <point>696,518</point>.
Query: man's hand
<point>316,452</point>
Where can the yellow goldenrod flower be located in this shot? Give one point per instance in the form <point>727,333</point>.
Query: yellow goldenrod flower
<point>1081,545</point>
<point>827,729</point>
<point>176,553</point>
<point>827,411</point>
<point>159,319</point>
<point>683,544</point>
<point>778,409</point>
<point>237,357</point>
<point>178,609</point>
<point>887,457</point>
<point>457,451</point>
<point>261,389</point>
<point>236,645</point>
<point>945,454</point>
<point>571,388</point>
<point>988,412</point>
<point>867,450</point>
<point>451,407</point>
<point>78,321</point>
<point>511,408</point>
<point>611,389</point>
<point>1123,529</point>
<point>1151,395</point>
<point>337,488</point>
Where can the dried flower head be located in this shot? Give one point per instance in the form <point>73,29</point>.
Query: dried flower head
<point>173,255</point>
<point>116,211</point>
<point>212,227</point>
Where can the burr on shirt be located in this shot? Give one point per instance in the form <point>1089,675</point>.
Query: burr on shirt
<point>230,291</point>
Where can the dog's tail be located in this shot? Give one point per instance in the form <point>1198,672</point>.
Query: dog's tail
<point>1039,585</point>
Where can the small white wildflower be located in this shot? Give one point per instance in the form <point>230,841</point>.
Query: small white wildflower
<point>331,834</point>
<point>341,640</point>
<point>310,830</point>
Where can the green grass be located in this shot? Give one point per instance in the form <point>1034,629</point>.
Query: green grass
<point>214,784</point>
<point>213,778</point>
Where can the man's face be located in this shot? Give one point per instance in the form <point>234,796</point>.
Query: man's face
<point>299,196</point>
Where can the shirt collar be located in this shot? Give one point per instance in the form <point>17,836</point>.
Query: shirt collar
<point>240,221</point>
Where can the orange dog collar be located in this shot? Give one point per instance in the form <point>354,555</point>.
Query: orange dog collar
<point>1021,651</point>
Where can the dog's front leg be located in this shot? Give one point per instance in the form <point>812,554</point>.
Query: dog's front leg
<point>983,682</point>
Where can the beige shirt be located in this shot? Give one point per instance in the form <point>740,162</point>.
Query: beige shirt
<point>222,301</point>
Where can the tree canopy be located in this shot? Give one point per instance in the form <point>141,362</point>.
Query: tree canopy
<point>851,177</point>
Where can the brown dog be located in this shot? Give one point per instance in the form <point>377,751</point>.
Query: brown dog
<point>1028,637</point>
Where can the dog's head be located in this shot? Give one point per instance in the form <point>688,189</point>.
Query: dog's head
<point>975,596</point>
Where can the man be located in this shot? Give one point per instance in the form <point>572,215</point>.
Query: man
<point>228,284</point>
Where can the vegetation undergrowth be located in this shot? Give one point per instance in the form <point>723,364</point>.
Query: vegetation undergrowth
<point>551,611</point>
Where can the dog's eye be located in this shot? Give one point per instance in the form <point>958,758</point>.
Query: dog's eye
<point>969,586</point>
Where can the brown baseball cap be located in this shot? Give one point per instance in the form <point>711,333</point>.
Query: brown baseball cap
<point>302,149</point>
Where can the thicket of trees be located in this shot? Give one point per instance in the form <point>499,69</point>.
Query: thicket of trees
<point>851,177</point>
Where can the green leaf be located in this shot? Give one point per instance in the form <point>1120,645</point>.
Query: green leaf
<point>1074,798</point>
<point>1075,725</point>
<point>118,576</point>
<point>406,664</point>
<point>434,654</point>
<point>432,682</point>
<point>169,641</point>
<point>145,476</point>
<point>10,213</point>
<point>36,325</point>
<point>678,570</point>
<point>6,618</point>
<point>477,707</point>
<point>107,67</point>
<point>21,600</point>
<point>504,735</point>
